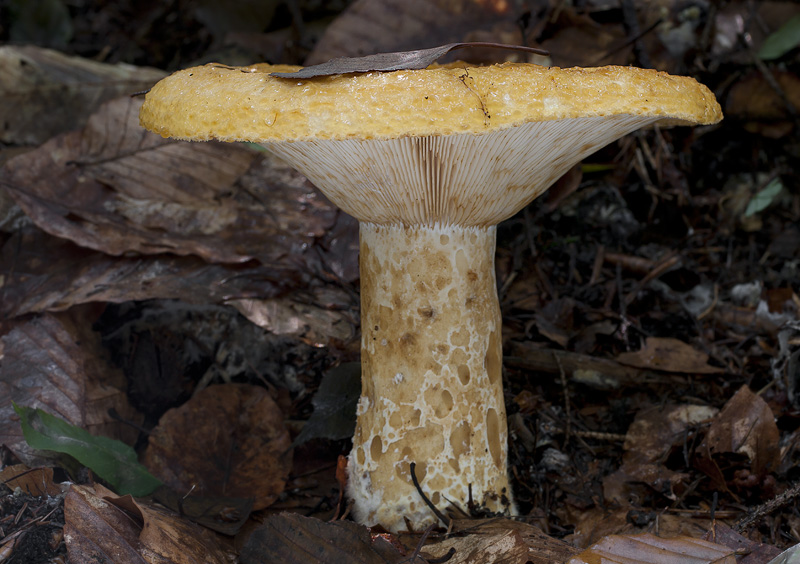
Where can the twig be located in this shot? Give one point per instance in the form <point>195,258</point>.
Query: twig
<point>766,508</point>
<point>565,391</point>
<point>439,515</point>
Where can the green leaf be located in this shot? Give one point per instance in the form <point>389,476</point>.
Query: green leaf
<point>114,461</point>
<point>764,197</point>
<point>782,41</point>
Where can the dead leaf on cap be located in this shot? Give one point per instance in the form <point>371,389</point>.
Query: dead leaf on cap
<point>670,355</point>
<point>227,441</point>
<point>102,527</point>
<point>399,60</point>
<point>293,539</point>
<point>117,188</point>
<point>54,363</point>
<point>650,548</point>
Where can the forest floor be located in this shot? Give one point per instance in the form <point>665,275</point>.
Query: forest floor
<point>650,298</point>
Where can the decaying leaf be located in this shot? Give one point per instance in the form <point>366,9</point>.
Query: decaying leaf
<point>619,549</point>
<point>400,60</point>
<point>746,425</point>
<point>72,275</point>
<point>670,355</point>
<point>34,481</point>
<point>317,315</point>
<point>227,441</point>
<point>753,552</point>
<point>649,439</point>
<point>54,363</point>
<point>45,92</point>
<point>335,401</point>
<point>117,188</point>
<point>293,539</point>
<point>101,527</point>
<point>499,541</point>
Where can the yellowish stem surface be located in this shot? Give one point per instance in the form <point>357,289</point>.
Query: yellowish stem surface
<point>432,390</point>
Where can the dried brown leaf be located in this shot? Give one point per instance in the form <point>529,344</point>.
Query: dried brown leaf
<point>34,481</point>
<point>116,188</point>
<point>40,273</point>
<point>373,26</point>
<point>670,355</point>
<point>45,92</point>
<point>754,552</point>
<point>399,60</point>
<point>293,539</point>
<point>746,425</point>
<point>227,441</point>
<point>97,531</point>
<point>315,315</point>
<point>102,527</point>
<point>649,548</point>
<point>500,541</point>
<point>55,363</point>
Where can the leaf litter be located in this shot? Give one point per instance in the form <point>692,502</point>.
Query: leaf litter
<point>650,317</point>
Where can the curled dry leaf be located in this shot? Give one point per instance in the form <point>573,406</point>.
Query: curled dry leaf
<point>373,26</point>
<point>623,549</point>
<point>45,92</point>
<point>118,189</point>
<point>45,273</point>
<point>670,355</point>
<point>55,363</point>
<point>227,441</point>
<point>746,425</point>
<point>101,527</point>
<point>650,437</point>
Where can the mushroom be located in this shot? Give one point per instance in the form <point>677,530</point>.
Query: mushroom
<point>428,161</point>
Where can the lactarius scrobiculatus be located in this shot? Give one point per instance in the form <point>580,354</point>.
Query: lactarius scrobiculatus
<point>428,161</point>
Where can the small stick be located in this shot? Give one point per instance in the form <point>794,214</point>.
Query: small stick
<point>443,518</point>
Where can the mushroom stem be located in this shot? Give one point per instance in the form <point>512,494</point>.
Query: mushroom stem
<point>431,375</point>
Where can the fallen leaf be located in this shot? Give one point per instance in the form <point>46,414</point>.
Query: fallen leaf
<point>227,441</point>
<point>116,188</point>
<point>34,481</point>
<point>334,415</point>
<point>55,363</point>
<point>399,60</point>
<point>45,92</point>
<point>746,425</point>
<point>670,355</point>
<point>40,273</point>
<point>113,461</point>
<point>317,315</point>
<point>293,539</point>
<point>101,527</point>
<point>753,552</point>
<point>649,548</point>
<point>499,541</point>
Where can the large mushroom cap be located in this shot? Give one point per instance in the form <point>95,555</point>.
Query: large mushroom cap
<point>445,145</point>
<point>248,104</point>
